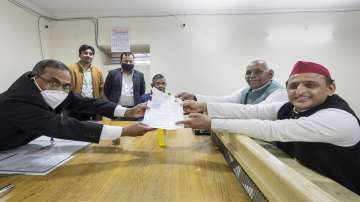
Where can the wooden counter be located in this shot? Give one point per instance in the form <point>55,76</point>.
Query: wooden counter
<point>275,174</point>
<point>189,169</point>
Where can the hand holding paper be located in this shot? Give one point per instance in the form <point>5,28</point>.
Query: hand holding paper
<point>164,110</point>
<point>191,106</point>
<point>137,111</point>
<point>197,121</point>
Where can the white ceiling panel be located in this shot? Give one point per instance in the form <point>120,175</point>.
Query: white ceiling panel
<point>101,8</point>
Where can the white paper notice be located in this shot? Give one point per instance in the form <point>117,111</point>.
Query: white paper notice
<point>164,111</point>
<point>120,40</point>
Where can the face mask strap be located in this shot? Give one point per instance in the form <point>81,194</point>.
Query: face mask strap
<point>36,84</point>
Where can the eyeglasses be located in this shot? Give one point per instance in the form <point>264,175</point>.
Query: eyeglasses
<point>54,83</point>
<point>256,73</point>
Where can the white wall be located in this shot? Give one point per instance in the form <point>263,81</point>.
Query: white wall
<point>208,56</point>
<point>20,46</point>
<point>67,36</point>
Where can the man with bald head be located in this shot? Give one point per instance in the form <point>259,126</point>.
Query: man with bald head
<point>317,127</point>
<point>262,89</point>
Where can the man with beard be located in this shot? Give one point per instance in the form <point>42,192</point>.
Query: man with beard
<point>125,85</point>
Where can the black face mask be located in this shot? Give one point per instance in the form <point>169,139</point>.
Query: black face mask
<point>127,67</point>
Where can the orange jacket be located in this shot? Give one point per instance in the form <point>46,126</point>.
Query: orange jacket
<point>97,79</point>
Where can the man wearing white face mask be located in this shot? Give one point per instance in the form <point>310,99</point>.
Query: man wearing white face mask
<point>32,107</point>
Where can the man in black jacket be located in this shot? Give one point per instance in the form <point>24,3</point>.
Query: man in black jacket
<point>125,85</point>
<point>32,107</point>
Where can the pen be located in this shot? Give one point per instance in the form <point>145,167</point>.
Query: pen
<point>6,189</point>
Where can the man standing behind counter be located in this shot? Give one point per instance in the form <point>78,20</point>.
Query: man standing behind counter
<point>87,79</point>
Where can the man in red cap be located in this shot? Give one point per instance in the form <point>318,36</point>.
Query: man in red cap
<point>317,127</point>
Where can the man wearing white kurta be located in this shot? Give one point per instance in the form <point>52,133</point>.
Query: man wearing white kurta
<point>317,127</point>
<point>262,89</point>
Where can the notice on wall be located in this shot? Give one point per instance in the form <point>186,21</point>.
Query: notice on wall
<point>120,40</point>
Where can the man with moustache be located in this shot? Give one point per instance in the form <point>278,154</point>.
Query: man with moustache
<point>87,79</point>
<point>158,82</point>
<point>317,127</point>
<point>262,89</point>
<point>33,106</point>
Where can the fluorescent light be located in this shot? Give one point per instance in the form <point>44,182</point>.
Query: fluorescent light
<point>299,36</point>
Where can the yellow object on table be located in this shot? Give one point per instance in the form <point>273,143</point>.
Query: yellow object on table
<point>161,137</point>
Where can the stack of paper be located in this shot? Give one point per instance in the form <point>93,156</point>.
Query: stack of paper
<point>39,157</point>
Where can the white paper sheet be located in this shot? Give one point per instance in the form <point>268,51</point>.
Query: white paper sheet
<point>39,157</point>
<point>120,40</point>
<point>164,111</point>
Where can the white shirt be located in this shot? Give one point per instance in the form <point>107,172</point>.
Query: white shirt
<point>127,90</point>
<point>330,125</point>
<point>278,95</point>
<point>87,88</point>
<point>113,132</point>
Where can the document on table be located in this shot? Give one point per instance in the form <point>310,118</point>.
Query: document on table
<point>39,157</point>
<point>164,110</point>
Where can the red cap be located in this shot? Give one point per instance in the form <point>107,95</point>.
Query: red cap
<point>309,67</point>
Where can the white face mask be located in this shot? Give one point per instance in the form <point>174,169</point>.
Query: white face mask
<point>52,97</point>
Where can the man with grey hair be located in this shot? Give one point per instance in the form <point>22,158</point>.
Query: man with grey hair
<point>158,82</point>
<point>33,104</point>
<point>262,89</point>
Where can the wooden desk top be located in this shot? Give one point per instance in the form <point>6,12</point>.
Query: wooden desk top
<point>279,177</point>
<point>189,169</point>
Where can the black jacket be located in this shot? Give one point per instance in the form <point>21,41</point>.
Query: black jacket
<point>113,85</point>
<point>341,164</point>
<point>24,116</point>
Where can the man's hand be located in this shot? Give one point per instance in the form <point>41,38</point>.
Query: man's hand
<point>186,96</point>
<point>136,129</point>
<point>190,106</point>
<point>137,111</point>
<point>197,121</point>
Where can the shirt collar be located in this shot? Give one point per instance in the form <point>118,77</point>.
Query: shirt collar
<point>83,69</point>
<point>262,87</point>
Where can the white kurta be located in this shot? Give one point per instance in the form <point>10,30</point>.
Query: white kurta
<point>330,125</point>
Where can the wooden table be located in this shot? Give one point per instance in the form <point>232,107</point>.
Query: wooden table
<point>189,169</point>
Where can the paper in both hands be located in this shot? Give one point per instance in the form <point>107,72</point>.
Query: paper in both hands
<point>164,110</point>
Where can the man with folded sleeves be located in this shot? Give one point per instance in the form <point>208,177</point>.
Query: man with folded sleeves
<point>317,127</point>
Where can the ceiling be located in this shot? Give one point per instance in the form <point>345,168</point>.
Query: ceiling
<point>102,8</point>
